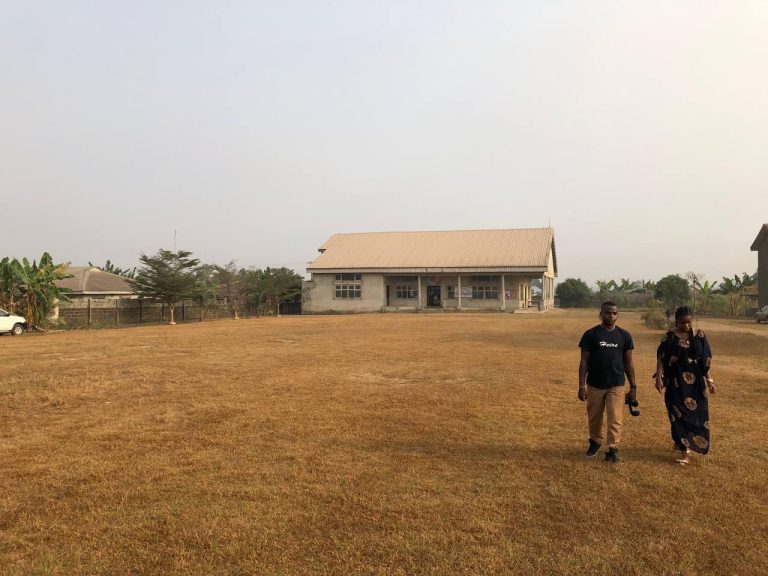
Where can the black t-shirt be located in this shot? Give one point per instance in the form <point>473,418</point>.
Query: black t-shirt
<point>606,355</point>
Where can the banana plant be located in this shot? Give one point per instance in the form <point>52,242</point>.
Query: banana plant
<point>706,290</point>
<point>31,288</point>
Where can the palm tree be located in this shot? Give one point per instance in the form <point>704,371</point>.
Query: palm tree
<point>706,290</point>
<point>605,288</point>
<point>731,288</point>
<point>624,288</point>
<point>647,289</point>
<point>746,282</point>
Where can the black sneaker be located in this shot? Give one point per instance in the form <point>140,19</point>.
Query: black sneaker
<point>612,455</point>
<point>593,449</point>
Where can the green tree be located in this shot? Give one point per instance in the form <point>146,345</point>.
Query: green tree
<point>706,290</point>
<point>10,285</point>
<point>730,289</point>
<point>206,284</point>
<point>672,291</point>
<point>735,290</point>
<point>605,286</point>
<point>573,292</point>
<point>646,291</point>
<point>624,289</point>
<point>167,276</point>
<point>31,288</point>
<point>273,286</point>
<point>746,283</point>
<point>232,283</point>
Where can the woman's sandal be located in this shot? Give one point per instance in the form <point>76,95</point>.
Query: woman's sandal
<point>682,457</point>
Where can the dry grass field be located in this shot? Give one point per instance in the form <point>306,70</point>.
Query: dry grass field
<point>374,444</point>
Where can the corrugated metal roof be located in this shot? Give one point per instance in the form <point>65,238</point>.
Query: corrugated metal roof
<point>87,280</point>
<point>527,247</point>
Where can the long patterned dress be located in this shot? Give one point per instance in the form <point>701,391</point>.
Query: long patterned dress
<point>686,363</point>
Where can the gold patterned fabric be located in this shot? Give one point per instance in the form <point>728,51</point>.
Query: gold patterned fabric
<point>686,363</point>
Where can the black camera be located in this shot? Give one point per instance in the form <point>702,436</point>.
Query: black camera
<point>633,404</point>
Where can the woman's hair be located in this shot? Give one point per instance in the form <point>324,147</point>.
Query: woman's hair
<point>682,311</point>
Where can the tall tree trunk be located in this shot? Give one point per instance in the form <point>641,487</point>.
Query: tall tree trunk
<point>170,308</point>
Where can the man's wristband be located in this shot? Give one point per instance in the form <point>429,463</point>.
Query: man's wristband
<point>633,386</point>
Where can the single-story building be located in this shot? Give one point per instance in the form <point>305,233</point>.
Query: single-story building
<point>449,270</point>
<point>94,286</point>
<point>760,245</point>
<point>93,282</point>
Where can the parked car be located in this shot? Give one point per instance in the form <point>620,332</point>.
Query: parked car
<point>762,314</point>
<point>11,323</point>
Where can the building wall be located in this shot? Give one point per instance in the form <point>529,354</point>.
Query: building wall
<point>319,293</point>
<point>762,273</point>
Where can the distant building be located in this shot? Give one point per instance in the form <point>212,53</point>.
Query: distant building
<point>93,282</point>
<point>451,270</point>
<point>760,245</point>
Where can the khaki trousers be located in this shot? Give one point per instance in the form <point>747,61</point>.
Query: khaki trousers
<point>611,402</point>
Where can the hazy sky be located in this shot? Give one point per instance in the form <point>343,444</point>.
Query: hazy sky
<point>255,130</point>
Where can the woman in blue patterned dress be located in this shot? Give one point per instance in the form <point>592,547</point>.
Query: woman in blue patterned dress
<point>683,371</point>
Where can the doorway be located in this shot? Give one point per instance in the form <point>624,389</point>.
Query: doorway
<point>433,297</point>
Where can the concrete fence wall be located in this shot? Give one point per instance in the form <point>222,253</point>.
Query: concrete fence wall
<point>102,312</point>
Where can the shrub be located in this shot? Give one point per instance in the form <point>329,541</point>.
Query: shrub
<point>654,318</point>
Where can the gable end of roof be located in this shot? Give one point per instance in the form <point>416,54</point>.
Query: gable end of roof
<point>760,238</point>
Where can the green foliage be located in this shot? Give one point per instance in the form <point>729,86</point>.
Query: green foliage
<point>168,276</point>
<point>672,291</point>
<point>232,285</point>
<point>625,292</point>
<point>272,286</point>
<point>706,291</point>
<point>31,288</point>
<point>605,289</point>
<point>573,292</point>
<point>654,317</point>
<point>735,290</point>
<point>206,284</point>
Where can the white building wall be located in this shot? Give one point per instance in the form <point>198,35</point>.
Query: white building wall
<point>320,295</point>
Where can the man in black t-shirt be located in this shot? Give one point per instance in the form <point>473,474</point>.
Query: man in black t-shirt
<point>606,357</point>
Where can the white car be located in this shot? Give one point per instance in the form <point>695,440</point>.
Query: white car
<point>762,314</point>
<point>12,323</point>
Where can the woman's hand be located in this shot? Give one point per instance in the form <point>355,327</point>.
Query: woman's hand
<point>659,384</point>
<point>711,385</point>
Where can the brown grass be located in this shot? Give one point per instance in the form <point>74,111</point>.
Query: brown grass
<point>371,444</point>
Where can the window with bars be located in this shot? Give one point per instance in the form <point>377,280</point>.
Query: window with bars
<point>451,292</point>
<point>348,286</point>
<point>485,292</point>
<point>348,291</point>
<point>406,292</point>
<point>488,279</point>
